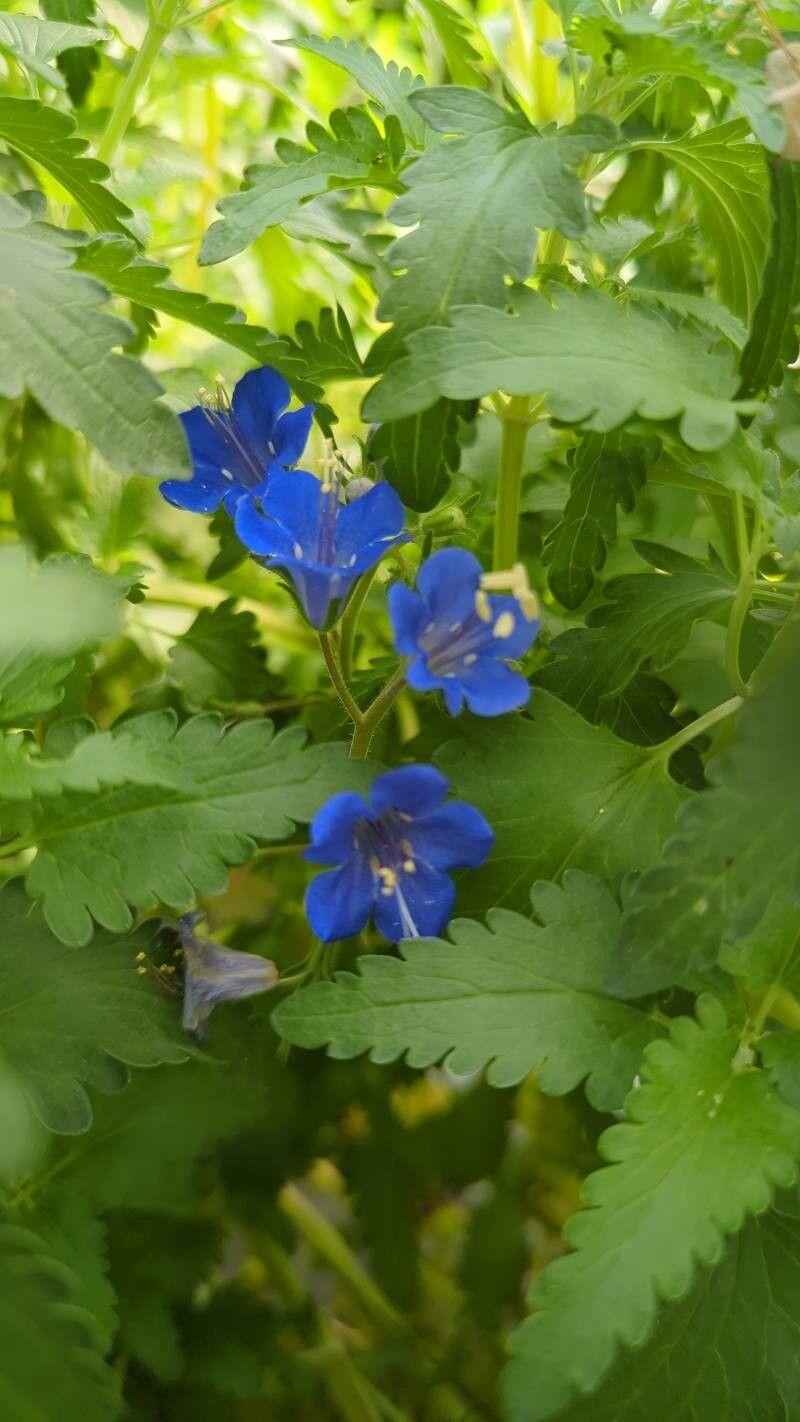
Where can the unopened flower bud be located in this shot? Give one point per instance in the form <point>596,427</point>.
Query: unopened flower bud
<point>356,489</point>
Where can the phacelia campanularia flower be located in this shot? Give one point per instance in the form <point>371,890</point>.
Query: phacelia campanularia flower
<point>395,854</point>
<point>212,974</point>
<point>301,527</point>
<point>235,443</point>
<point>459,637</point>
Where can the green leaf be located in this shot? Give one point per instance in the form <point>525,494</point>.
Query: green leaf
<point>59,345</point>
<point>734,846</point>
<point>704,1146</point>
<point>770,953</point>
<point>475,200</point>
<point>649,619</point>
<point>417,455</point>
<point>596,363</point>
<point>50,1364</point>
<point>388,85</point>
<point>47,616</point>
<point>354,149</point>
<point>67,1010</point>
<point>220,658</point>
<point>606,470</point>
<point>33,42</point>
<point>509,997</point>
<point>558,794</point>
<point>326,354</point>
<point>197,803</point>
<point>728,176</point>
<point>455,35</point>
<point>732,1344</point>
<point>77,65</point>
<point>47,137</point>
<point>702,309</point>
<point>772,337</point>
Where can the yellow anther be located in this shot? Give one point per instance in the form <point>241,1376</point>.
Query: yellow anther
<point>483,606</point>
<point>515,581</point>
<point>141,971</point>
<point>374,864</point>
<point>409,866</point>
<point>407,848</point>
<point>140,957</point>
<point>389,880</point>
<point>504,626</point>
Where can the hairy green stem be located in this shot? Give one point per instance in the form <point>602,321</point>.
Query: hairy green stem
<point>372,717</point>
<point>689,733</point>
<point>159,26</point>
<point>350,621</point>
<point>335,673</point>
<point>516,422</point>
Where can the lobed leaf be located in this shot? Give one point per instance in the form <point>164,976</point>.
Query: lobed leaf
<point>47,137</point>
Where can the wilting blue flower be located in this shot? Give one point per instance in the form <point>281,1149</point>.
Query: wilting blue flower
<point>459,639</point>
<point>234,444</point>
<point>213,974</point>
<point>395,854</point>
<point>322,545</point>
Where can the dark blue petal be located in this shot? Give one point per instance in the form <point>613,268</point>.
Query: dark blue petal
<point>422,907</point>
<point>491,688</point>
<point>261,535</point>
<point>292,501</point>
<point>339,902</point>
<point>408,616</point>
<point>332,829</point>
<point>291,434</point>
<point>201,494</point>
<point>321,591</point>
<point>420,678</point>
<point>208,448</point>
<point>258,400</point>
<point>374,522</point>
<point>448,581</point>
<point>413,790</point>
<point>455,837</point>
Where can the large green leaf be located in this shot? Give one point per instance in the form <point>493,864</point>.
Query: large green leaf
<point>33,43</point>
<point>735,845</point>
<point>772,336</point>
<point>558,794</point>
<point>417,455</point>
<point>387,84</point>
<point>732,1345</point>
<point>47,137</point>
<point>509,997</point>
<point>58,344</point>
<point>197,803</point>
<point>704,1145</point>
<point>66,1011</point>
<point>475,200</point>
<point>596,363</point>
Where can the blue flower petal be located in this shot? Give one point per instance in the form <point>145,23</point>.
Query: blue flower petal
<point>213,973</point>
<point>413,790</point>
<point>376,519</point>
<point>453,693</point>
<point>492,689</point>
<point>421,678</point>
<point>293,501</point>
<point>448,581</point>
<point>333,826</point>
<point>291,434</point>
<point>261,535</point>
<point>422,906</point>
<point>208,448</point>
<point>258,401</point>
<point>203,493</point>
<point>408,616</point>
<point>339,902</point>
<point>524,632</point>
<point>320,590</point>
<point>455,837</point>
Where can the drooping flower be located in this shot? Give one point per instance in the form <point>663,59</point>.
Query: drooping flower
<point>300,525</point>
<point>394,854</point>
<point>234,443</point>
<point>212,974</point>
<point>459,638</point>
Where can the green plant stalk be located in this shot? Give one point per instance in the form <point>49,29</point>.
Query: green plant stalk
<point>748,560</point>
<point>159,27</point>
<point>689,733</point>
<point>350,621</point>
<point>372,717</point>
<point>516,422</point>
<point>340,685</point>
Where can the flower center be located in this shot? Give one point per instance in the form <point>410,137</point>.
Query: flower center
<point>248,468</point>
<point>390,856</point>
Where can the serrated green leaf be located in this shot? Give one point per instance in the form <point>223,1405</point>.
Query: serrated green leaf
<point>77,65</point>
<point>197,804</point>
<point>732,1345</point>
<point>772,335</point>
<point>606,470</point>
<point>46,136</point>
<point>33,42</point>
<point>596,364</point>
<point>220,659</point>
<point>770,953</point>
<point>649,619</point>
<point>354,149</point>
<point>559,794</point>
<point>58,344</point>
<point>387,84</point>
<point>734,846</point>
<point>702,309</point>
<point>67,1010</point>
<point>728,176</point>
<point>509,997</point>
<point>704,1146</point>
<point>455,35</point>
<point>475,200</point>
<point>50,1365</point>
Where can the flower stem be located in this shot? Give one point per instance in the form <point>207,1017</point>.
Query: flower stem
<point>340,685</point>
<point>748,560</point>
<point>516,421</point>
<point>350,620</point>
<point>372,717</point>
<point>667,749</point>
<point>158,29</point>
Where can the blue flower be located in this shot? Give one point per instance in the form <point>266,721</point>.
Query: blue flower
<point>459,638</point>
<point>395,854</point>
<point>234,444</point>
<point>213,974</point>
<point>321,544</point>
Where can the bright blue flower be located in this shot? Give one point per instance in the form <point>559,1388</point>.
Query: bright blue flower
<point>322,545</point>
<point>459,639</point>
<point>234,445</point>
<point>213,974</point>
<point>395,854</point>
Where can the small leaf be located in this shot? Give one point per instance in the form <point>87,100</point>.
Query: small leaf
<point>220,658</point>
<point>388,85</point>
<point>33,42</point>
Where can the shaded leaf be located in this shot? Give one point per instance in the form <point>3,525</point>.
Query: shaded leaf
<point>47,136</point>
<point>220,659</point>
<point>772,336</point>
